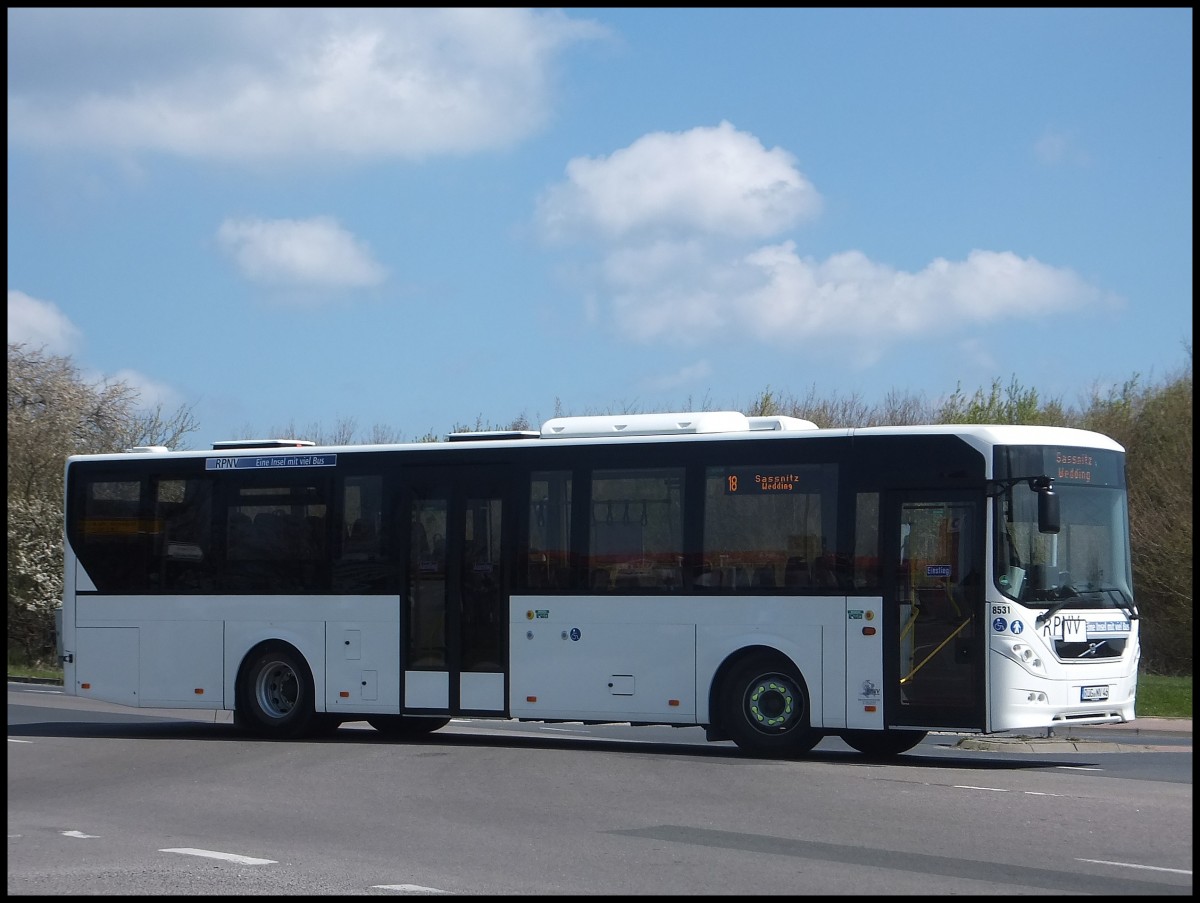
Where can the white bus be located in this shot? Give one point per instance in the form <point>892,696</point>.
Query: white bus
<point>770,581</point>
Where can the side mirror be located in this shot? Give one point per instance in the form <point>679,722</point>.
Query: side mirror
<point>1048,517</point>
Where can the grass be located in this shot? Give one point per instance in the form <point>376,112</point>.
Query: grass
<point>1158,696</point>
<point>1164,697</point>
<point>17,668</point>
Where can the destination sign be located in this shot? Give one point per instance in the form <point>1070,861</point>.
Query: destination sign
<point>1082,465</point>
<point>268,462</point>
<point>755,481</point>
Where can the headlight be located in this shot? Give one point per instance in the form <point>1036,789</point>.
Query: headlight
<point>1027,657</point>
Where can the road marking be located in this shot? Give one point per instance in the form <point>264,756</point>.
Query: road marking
<point>1003,790</point>
<point>1134,865</point>
<point>213,854</point>
<point>76,834</point>
<point>11,740</point>
<point>409,888</point>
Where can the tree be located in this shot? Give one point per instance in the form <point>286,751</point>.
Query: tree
<point>53,412</point>
<point>1014,404</point>
<point>1155,424</point>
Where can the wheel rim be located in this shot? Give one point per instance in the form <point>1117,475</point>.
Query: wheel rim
<point>277,689</point>
<point>772,704</point>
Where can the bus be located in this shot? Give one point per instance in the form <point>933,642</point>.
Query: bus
<point>772,582</point>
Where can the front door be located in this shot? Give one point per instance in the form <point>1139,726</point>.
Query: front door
<point>453,634</point>
<point>934,646</point>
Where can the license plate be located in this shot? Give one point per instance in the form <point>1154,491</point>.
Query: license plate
<point>1093,694</point>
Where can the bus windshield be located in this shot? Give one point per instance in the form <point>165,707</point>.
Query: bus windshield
<point>1085,565</point>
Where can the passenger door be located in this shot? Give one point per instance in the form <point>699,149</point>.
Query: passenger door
<point>456,583</point>
<point>934,646</point>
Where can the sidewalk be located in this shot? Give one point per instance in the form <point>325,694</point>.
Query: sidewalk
<point>1150,726</point>
<point>1133,735</point>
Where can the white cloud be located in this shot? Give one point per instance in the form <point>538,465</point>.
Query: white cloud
<point>846,293</point>
<point>1054,147</point>
<point>267,83</point>
<point>676,222</point>
<point>151,392</point>
<point>315,253</point>
<point>717,181</point>
<point>689,375</point>
<point>688,294</point>
<point>40,324</point>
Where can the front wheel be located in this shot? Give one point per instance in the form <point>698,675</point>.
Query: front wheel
<point>764,705</point>
<point>883,744</point>
<point>275,694</point>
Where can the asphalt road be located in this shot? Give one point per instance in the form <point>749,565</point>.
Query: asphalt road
<point>104,800</point>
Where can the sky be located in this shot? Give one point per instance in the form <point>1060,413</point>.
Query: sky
<point>419,219</point>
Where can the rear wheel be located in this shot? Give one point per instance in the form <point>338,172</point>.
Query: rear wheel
<point>764,705</point>
<point>883,744</point>
<point>405,727</point>
<point>275,694</point>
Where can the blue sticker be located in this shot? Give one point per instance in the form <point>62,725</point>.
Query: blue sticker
<point>575,634</point>
<point>1017,627</point>
<point>999,625</point>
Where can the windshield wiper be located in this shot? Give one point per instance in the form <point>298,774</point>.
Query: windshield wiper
<point>1057,606</point>
<point>1122,603</point>
<point>1067,592</point>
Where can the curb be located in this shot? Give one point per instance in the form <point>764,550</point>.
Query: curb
<point>1031,744</point>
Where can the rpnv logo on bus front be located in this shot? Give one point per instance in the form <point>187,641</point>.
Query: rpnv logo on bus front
<point>263,462</point>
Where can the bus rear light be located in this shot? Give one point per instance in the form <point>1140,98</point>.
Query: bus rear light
<point>868,631</point>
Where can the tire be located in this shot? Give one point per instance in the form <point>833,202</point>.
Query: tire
<point>405,727</point>
<point>764,708</point>
<point>883,744</point>
<point>275,694</point>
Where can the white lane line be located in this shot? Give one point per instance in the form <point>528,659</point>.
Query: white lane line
<point>76,834</point>
<point>213,854</point>
<point>12,740</point>
<point>409,888</point>
<point>1134,865</point>
<point>1004,790</point>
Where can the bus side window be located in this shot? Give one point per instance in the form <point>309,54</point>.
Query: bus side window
<point>763,522</point>
<point>764,576</point>
<point>549,530</point>
<point>636,529</point>
<point>867,570</point>
<point>795,572</point>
